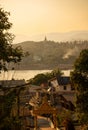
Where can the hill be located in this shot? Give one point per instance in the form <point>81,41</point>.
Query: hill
<point>49,54</point>
<point>57,37</point>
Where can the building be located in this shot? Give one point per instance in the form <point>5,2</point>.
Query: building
<point>62,85</point>
<point>12,83</point>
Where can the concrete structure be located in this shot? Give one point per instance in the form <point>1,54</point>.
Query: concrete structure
<point>61,83</point>
<point>62,86</point>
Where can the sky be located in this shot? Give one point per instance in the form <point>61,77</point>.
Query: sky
<point>32,17</point>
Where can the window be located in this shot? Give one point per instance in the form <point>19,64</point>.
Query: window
<point>64,87</point>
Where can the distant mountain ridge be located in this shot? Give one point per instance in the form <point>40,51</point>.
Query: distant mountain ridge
<point>57,37</point>
<point>69,36</point>
<point>48,54</point>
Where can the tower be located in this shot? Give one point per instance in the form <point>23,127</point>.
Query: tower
<point>45,39</point>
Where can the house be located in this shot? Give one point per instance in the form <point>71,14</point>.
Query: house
<point>29,93</point>
<point>62,85</point>
<point>12,83</point>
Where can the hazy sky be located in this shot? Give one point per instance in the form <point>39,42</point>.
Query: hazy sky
<point>45,16</point>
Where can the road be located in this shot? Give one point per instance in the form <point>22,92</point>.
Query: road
<point>44,123</point>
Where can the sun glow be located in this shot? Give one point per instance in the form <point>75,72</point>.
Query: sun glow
<point>44,16</point>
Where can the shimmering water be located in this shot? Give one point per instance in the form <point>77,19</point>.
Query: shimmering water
<point>25,74</point>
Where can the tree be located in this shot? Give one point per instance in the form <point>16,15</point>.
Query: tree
<point>79,78</point>
<point>54,73</point>
<point>39,79</point>
<point>43,78</point>
<point>7,52</point>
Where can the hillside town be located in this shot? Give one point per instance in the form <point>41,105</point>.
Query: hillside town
<point>58,94</point>
<point>51,100</point>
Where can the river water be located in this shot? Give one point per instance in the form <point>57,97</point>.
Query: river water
<point>25,74</point>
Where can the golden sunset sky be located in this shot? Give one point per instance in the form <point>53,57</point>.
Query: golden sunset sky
<point>46,16</point>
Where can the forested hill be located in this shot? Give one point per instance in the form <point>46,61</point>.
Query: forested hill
<point>49,54</point>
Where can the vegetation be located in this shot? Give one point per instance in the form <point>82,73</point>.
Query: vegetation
<point>50,54</point>
<point>43,78</point>
<point>8,54</point>
<point>66,119</point>
<point>79,78</point>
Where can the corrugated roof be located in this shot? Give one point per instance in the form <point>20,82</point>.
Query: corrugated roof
<point>63,80</point>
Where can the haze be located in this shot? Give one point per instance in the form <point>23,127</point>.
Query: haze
<point>31,17</point>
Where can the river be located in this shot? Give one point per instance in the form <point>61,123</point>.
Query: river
<point>25,74</point>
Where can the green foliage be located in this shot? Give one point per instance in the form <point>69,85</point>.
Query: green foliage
<point>4,23</point>
<point>63,116</point>
<point>7,52</point>
<point>6,104</point>
<point>43,78</point>
<point>81,62</point>
<point>10,123</point>
<point>79,78</point>
<point>10,97</point>
<point>51,54</point>
<point>39,79</point>
<point>54,73</point>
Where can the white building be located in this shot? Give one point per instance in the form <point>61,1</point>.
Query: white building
<point>61,83</point>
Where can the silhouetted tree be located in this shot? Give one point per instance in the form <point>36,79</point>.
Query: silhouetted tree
<point>7,52</point>
<point>79,78</point>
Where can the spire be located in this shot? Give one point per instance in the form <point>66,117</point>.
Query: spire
<point>45,39</point>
